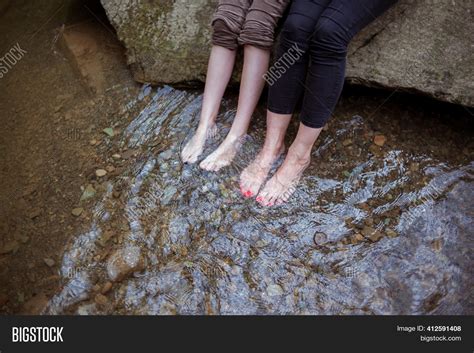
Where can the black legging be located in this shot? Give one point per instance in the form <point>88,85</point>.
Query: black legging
<point>318,31</point>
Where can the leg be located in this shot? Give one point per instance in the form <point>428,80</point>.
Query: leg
<point>255,174</point>
<point>283,184</point>
<point>257,37</point>
<point>286,87</point>
<point>338,24</point>
<point>227,23</point>
<point>221,64</point>
<point>255,65</point>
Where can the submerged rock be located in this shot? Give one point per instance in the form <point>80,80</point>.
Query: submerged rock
<point>123,262</point>
<point>420,46</point>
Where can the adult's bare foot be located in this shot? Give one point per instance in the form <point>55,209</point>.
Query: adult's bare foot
<point>223,155</point>
<point>283,184</point>
<point>252,177</point>
<point>194,147</point>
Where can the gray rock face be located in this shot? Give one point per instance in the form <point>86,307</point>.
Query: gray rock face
<point>419,45</point>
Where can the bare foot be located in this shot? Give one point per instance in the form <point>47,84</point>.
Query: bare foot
<point>223,155</point>
<point>195,145</point>
<point>252,177</point>
<point>283,184</point>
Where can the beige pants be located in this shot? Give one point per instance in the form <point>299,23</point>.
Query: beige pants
<point>247,22</point>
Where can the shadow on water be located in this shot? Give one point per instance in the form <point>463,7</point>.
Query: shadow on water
<point>371,229</point>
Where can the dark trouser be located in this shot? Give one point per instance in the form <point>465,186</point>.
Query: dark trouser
<point>320,31</point>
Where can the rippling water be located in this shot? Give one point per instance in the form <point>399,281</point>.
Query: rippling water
<point>370,230</point>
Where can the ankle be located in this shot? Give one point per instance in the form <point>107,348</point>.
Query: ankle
<point>301,154</point>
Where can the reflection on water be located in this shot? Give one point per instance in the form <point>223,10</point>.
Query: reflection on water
<point>371,230</point>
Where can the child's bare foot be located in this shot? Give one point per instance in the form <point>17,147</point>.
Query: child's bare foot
<point>195,145</point>
<point>283,184</point>
<point>223,155</point>
<point>252,177</point>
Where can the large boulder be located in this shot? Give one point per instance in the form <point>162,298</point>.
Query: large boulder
<point>419,45</point>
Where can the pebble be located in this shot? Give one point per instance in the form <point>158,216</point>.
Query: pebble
<point>49,262</point>
<point>391,233</point>
<point>101,173</point>
<point>77,211</point>
<point>106,287</point>
<point>93,142</point>
<point>101,299</point>
<point>371,233</point>
<point>380,140</point>
<point>347,142</point>
<point>116,156</point>
<point>274,290</point>
<point>11,246</point>
<point>123,262</point>
<point>109,131</point>
<point>110,168</point>
<point>88,192</point>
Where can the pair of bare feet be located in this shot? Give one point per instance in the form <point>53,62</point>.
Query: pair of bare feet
<point>276,191</point>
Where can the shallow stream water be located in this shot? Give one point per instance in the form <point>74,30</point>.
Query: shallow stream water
<point>371,229</point>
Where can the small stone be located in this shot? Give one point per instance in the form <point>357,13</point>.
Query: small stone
<point>116,156</point>
<point>347,142</point>
<point>101,299</point>
<point>358,237</point>
<point>11,246</point>
<point>101,173</point>
<point>36,212</point>
<point>109,131</point>
<point>77,211</point>
<point>106,287</point>
<point>320,238</point>
<point>274,290</point>
<point>105,237</point>
<point>88,192</point>
<point>110,168</point>
<point>390,233</point>
<point>371,233</point>
<point>49,262</point>
<point>380,140</point>
<point>437,245</point>
<point>93,142</point>
<point>123,262</point>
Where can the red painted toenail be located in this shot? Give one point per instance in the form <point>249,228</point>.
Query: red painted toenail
<point>259,199</point>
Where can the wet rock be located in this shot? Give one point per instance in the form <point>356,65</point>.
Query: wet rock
<point>123,262</point>
<point>106,287</point>
<point>77,211</point>
<point>109,132</point>
<point>110,168</point>
<point>391,233</point>
<point>380,140</point>
<point>371,233</point>
<point>35,213</point>
<point>88,192</point>
<point>101,173</point>
<point>9,247</point>
<point>101,299</point>
<point>49,262</point>
<point>168,194</point>
<point>153,32</point>
<point>274,290</point>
